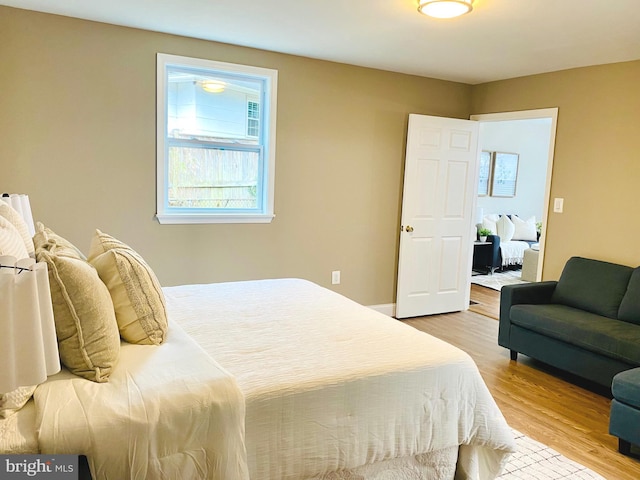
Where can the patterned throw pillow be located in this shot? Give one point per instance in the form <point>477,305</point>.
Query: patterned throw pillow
<point>11,242</point>
<point>135,291</point>
<point>9,213</point>
<point>13,401</point>
<point>47,239</point>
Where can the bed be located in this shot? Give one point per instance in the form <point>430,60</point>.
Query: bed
<point>279,380</point>
<point>18,432</point>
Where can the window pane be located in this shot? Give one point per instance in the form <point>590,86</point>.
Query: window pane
<point>211,106</point>
<point>213,178</point>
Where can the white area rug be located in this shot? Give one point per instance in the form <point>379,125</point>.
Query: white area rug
<point>498,280</point>
<point>533,460</point>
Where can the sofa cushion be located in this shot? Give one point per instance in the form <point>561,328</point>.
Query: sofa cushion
<point>630,306</point>
<point>625,387</point>
<point>602,335</point>
<point>592,285</point>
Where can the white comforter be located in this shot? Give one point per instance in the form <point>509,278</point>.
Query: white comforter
<point>168,412</point>
<point>332,385</point>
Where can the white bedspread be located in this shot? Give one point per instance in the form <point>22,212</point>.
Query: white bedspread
<point>331,385</point>
<point>168,412</point>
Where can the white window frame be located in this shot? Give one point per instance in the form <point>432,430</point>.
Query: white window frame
<point>164,213</point>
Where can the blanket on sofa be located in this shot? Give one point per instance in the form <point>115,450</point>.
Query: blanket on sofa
<point>513,252</point>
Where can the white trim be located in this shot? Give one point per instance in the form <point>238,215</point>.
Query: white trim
<point>517,115</point>
<point>184,218</point>
<point>388,309</point>
<point>551,113</point>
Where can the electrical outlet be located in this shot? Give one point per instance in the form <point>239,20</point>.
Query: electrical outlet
<point>335,277</point>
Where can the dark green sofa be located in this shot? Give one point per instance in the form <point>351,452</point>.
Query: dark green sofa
<point>587,323</point>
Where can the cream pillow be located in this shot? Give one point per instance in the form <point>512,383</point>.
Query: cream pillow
<point>10,213</point>
<point>47,239</point>
<point>136,293</point>
<point>490,224</point>
<point>525,229</point>
<point>11,242</point>
<point>506,229</point>
<point>86,326</point>
<point>13,401</point>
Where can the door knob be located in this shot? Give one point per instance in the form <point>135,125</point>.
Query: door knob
<point>409,228</point>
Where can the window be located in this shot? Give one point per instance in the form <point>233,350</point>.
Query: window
<point>253,119</point>
<point>216,126</point>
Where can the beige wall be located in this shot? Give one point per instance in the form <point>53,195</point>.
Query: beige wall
<point>77,116</point>
<point>597,157</point>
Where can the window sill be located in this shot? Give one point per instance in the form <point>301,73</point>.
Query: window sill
<point>203,218</point>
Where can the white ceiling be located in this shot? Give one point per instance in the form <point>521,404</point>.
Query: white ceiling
<point>499,39</point>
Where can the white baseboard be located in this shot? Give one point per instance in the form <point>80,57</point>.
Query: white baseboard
<point>389,309</point>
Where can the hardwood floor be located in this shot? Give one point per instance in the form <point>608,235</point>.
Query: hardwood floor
<point>486,301</point>
<point>568,415</point>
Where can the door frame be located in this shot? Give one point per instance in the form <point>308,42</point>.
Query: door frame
<point>551,113</point>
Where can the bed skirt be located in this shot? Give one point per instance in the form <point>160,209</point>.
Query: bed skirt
<point>440,465</point>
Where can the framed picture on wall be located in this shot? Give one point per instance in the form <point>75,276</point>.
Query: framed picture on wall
<point>484,176</point>
<point>505,174</point>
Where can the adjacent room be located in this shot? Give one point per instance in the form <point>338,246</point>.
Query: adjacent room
<point>303,241</point>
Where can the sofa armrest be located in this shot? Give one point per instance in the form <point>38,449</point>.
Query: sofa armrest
<point>496,258</point>
<point>525,293</point>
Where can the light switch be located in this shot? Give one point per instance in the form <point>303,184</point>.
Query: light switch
<point>558,205</point>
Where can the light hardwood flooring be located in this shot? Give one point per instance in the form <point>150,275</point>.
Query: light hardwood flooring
<point>543,403</point>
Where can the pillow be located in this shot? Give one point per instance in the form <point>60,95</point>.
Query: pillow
<point>629,310</point>
<point>135,291</point>
<point>13,401</point>
<point>10,213</point>
<point>506,228</point>
<point>86,326</point>
<point>490,224</point>
<point>525,229</point>
<point>47,239</point>
<point>592,285</point>
<point>11,242</point>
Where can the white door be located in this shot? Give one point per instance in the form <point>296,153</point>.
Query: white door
<point>437,231</point>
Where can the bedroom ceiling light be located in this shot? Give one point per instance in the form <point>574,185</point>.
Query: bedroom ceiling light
<point>445,8</point>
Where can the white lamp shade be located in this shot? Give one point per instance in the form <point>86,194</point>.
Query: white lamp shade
<point>28,344</point>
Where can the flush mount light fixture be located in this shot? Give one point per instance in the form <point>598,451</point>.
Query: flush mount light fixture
<point>445,8</point>
<point>213,86</point>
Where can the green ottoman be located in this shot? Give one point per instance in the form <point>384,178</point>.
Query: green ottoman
<point>624,421</point>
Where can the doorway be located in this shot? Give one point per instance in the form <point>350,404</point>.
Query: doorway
<point>413,283</point>
<point>535,170</point>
